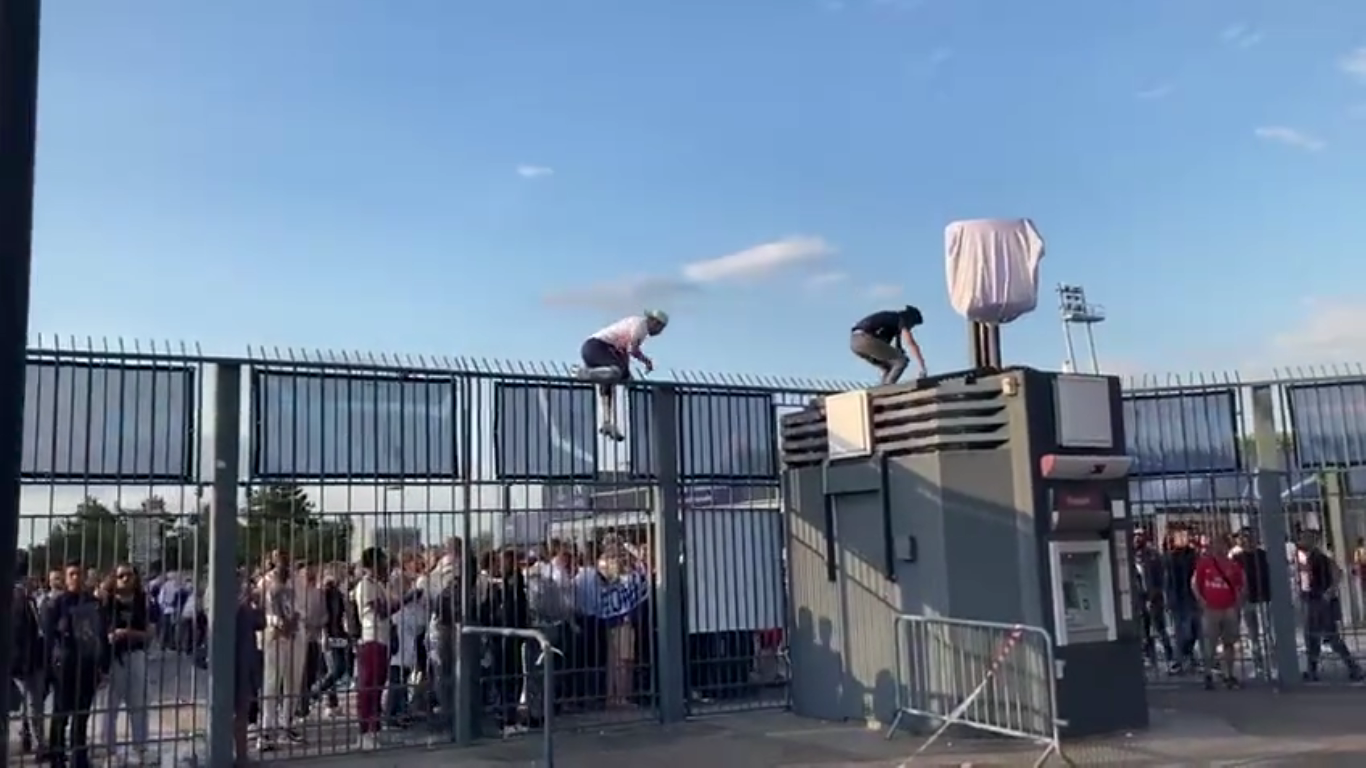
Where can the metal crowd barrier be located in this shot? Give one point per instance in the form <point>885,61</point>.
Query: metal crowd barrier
<point>547,662</point>
<point>989,677</point>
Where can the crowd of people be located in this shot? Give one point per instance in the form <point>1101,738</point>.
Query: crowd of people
<point>1205,593</point>
<point>380,631</point>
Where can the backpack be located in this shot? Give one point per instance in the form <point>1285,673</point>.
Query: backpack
<point>28,642</point>
<point>351,618</point>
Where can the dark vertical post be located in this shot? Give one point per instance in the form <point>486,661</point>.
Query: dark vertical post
<point>1272,481</point>
<point>18,125</point>
<point>670,608</point>
<point>984,345</point>
<point>223,585</point>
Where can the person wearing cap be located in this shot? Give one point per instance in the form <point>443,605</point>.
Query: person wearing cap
<point>607,357</point>
<point>877,339</point>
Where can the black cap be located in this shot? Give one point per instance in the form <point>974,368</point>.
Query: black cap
<point>912,316</point>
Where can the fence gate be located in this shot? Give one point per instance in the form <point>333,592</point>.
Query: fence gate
<point>1276,471</point>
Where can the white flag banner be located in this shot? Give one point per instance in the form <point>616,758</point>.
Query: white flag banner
<point>993,268</point>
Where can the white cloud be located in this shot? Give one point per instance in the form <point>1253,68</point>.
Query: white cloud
<point>535,171</point>
<point>884,291</point>
<point>1241,36</point>
<point>1354,64</point>
<point>758,261</point>
<point>626,295</point>
<point>1156,92</point>
<point>826,279</point>
<point>1290,137</point>
<point>1331,331</point>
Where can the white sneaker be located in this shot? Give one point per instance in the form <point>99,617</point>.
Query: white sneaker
<point>369,742</point>
<point>332,713</point>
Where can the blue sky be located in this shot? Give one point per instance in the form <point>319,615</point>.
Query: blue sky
<point>501,179</point>
<point>345,174</point>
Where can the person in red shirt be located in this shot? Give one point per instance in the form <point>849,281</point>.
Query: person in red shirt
<point>1220,587</point>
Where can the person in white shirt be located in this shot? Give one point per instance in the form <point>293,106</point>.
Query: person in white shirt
<point>410,622</point>
<point>441,588</point>
<point>284,648</point>
<point>375,604</point>
<point>607,357</point>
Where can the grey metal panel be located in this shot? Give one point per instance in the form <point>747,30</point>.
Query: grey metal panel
<point>818,633</point>
<point>869,602</point>
<point>846,477</point>
<point>955,415</point>
<point>917,502</point>
<point>803,438</point>
<point>987,536</point>
<point>923,586</point>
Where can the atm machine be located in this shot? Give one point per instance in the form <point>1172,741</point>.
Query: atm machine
<point>994,496</point>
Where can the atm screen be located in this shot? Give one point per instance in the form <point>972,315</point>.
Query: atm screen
<point>1081,590</point>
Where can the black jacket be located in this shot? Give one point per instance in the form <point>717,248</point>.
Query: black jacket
<point>26,626</point>
<point>1150,573</point>
<point>1257,573</point>
<point>334,605</point>
<point>1179,569</point>
<point>131,614</point>
<point>504,605</point>
<point>75,632</point>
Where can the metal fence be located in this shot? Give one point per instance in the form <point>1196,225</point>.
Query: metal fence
<point>977,675</point>
<point>1276,469</point>
<point>653,564</point>
<point>474,494</point>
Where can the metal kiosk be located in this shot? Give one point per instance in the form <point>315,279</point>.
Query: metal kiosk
<point>987,496</point>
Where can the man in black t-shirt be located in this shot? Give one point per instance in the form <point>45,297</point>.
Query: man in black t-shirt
<point>1317,579</point>
<point>877,339</point>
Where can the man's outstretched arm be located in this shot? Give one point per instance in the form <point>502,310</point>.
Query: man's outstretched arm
<point>914,349</point>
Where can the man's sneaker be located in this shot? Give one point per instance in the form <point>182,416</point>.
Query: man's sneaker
<point>293,736</point>
<point>1311,676</point>
<point>1175,668</point>
<point>1232,683</point>
<point>331,713</point>
<point>1209,682</point>
<point>265,744</point>
<point>368,742</point>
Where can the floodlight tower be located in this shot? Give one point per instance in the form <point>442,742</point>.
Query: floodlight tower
<point>1075,310</point>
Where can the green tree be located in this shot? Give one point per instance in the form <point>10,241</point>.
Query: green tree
<point>282,517</point>
<point>94,536</point>
<point>185,542</point>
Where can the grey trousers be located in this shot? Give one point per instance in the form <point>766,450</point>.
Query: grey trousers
<point>890,360</point>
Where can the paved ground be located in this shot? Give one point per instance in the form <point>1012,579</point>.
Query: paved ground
<point>1311,727</point>
<point>1317,725</point>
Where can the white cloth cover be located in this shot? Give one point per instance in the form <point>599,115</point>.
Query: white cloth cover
<point>993,268</point>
